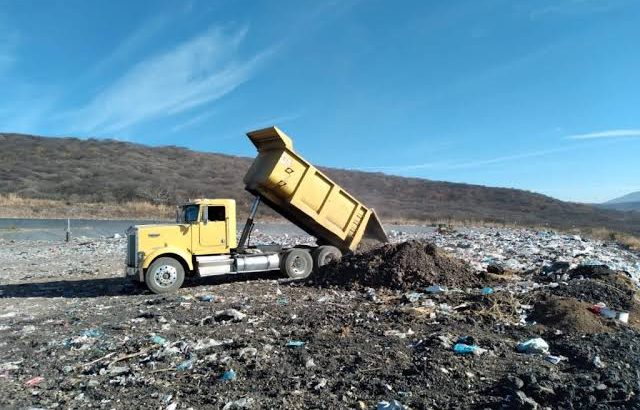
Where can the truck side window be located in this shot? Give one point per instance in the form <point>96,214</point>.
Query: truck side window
<point>217,213</point>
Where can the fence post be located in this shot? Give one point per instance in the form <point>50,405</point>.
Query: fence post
<point>68,231</point>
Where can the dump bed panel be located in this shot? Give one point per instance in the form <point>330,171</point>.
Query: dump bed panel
<point>305,196</point>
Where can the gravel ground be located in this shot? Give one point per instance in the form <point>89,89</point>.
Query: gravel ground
<point>74,334</point>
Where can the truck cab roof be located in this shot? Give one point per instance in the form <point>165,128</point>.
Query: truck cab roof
<point>210,201</point>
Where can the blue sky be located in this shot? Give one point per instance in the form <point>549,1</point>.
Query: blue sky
<point>539,95</point>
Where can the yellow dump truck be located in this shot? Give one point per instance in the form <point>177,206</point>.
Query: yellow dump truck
<point>203,241</point>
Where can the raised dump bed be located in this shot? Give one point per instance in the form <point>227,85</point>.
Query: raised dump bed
<point>307,197</point>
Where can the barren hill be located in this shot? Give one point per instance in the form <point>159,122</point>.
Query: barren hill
<point>107,171</point>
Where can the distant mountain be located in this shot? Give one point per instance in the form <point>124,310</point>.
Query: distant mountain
<point>632,197</point>
<point>629,202</point>
<point>93,170</point>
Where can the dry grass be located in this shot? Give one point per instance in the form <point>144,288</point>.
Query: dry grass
<point>14,206</point>
<point>628,240</point>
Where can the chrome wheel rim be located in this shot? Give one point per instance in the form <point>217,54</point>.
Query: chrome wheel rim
<point>165,275</point>
<point>298,265</point>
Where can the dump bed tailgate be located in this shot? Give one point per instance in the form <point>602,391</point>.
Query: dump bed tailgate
<point>305,196</point>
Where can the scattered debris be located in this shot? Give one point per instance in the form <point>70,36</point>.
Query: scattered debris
<point>533,346</point>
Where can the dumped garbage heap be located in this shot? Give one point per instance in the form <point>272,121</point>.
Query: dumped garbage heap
<point>402,326</point>
<point>403,266</point>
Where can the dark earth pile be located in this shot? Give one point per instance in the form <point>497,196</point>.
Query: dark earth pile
<point>407,265</point>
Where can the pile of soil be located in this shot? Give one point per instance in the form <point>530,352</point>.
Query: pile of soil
<point>568,315</point>
<point>616,291</point>
<point>402,266</point>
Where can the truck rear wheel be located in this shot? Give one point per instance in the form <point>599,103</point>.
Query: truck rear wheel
<point>325,254</point>
<point>164,275</point>
<point>296,263</point>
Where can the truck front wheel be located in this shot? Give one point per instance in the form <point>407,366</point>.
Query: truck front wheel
<point>296,263</point>
<point>164,275</point>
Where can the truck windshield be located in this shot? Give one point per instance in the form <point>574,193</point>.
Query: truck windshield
<point>189,214</point>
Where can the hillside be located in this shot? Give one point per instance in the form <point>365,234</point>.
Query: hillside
<point>112,171</point>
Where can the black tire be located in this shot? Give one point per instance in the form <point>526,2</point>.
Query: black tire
<point>296,263</point>
<point>325,254</point>
<point>164,275</point>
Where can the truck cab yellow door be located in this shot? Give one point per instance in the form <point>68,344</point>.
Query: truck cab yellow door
<point>211,236</point>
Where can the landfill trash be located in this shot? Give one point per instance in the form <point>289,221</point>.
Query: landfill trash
<point>465,349</point>
<point>598,363</point>
<point>159,340</point>
<point>371,294</point>
<point>248,351</point>
<point>116,236</point>
<point>397,333</point>
<point>230,314</point>
<point>295,343</point>
<point>118,370</point>
<point>435,289</point>
<point>283,300</point>
<point>602,310</point>
<point>207,298</point>
<point>240,404</point>
<point>554,359</point>
<point>486,291</point>
<point>412,297</point>
<point>172,406</point>
<point>533,346</point>
<point>229,375</point>
<point>322,383</point>
<point>310,363</point>
<point>389,405</point>
<point>92,333</point>
<point>185,365</point>
<point>34,381</point>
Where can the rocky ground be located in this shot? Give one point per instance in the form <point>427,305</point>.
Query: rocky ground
<point>409,325</point>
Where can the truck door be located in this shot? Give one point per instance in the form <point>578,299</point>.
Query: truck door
<point>212,236</point>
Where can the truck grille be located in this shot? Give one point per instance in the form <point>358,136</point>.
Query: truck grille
<point>131,250</point>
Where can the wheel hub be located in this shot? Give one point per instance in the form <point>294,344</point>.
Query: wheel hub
<point>298,265</point>
<point>165,275</point>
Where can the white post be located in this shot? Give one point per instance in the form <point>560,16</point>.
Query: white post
<point>68,232</point>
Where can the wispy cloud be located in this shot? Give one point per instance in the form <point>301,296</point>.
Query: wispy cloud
<point>197,119</point>
<point>574,7</point>
<point>623,133</point>
<point>198,71</point>
<point>132,43</point>
<point>449,165</point>
<point>8,46</point>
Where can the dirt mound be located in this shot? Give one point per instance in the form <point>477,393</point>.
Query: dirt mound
<point>407,265</point>
<point>568,315</point>
<point>616,291</point>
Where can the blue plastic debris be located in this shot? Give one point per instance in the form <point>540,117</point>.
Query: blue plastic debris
<point>295,343</point>
<point>159,340</point>
<point>92,333</point>
<point>207,298</point>
<point>282,301</point>
<point>486,291</point>
<point>186,365</point>
<point>389,405</point>
<point>465,349</point>
<point>537,345</point>
<point>435,289</point>
<point>228,376</point>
